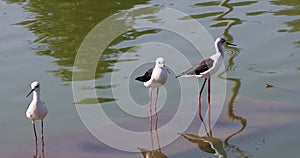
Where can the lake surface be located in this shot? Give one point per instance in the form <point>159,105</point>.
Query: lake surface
<point>42,40</point>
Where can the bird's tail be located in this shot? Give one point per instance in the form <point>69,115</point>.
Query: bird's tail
<point>140,79</point>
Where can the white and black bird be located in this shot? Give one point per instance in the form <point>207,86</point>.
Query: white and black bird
<point>206,68</point>
<point>37,110</point>
<point>154,78</point>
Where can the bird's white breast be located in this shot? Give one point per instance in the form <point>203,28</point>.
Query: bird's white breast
<point>37,110</point>
<point>158,78</point>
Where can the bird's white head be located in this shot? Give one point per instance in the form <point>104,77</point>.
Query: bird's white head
<point>160,62</point>
<point>35,86</point>
<point>220,42</point>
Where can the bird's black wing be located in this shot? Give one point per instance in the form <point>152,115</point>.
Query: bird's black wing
<point>204,66</point>
<point>199,68</point>
<point>146,77</point>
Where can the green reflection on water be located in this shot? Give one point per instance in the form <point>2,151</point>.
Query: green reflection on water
<point>95,100</point>
<point>255,13</point>
<point>236,81</point>
<point>294,10</point>
<point>60,27</point>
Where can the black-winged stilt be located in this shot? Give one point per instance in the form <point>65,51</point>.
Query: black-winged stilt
<point>205,69</point>
<point>154,78</point>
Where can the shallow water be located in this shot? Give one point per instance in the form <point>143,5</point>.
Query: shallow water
<point>39,41</point>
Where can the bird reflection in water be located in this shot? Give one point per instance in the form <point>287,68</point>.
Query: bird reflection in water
<point>213,145</point>
<point>208,144</point>
<point>153,153</point>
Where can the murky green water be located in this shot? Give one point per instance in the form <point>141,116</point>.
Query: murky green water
<point>39,41</point>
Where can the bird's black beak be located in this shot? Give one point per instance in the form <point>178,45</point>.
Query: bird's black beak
<point>231,44</point>
<point>167,69</point>
<point>30,92</point>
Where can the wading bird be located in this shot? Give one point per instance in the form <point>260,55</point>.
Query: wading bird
<point>205,69</point>
<point>37,110</point>
<point>154,78</point>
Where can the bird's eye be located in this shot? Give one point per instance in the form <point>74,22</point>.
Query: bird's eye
<point>37,86</point>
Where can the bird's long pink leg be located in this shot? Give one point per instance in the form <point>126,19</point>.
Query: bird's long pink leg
<point>35,138</point>
<point>208,100</point>
<point>156,115</point>
<point>150,117</point>
<point>157,137</point>
<point>43,141</point>
<point>199,105</point>
<point>156,119</point>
